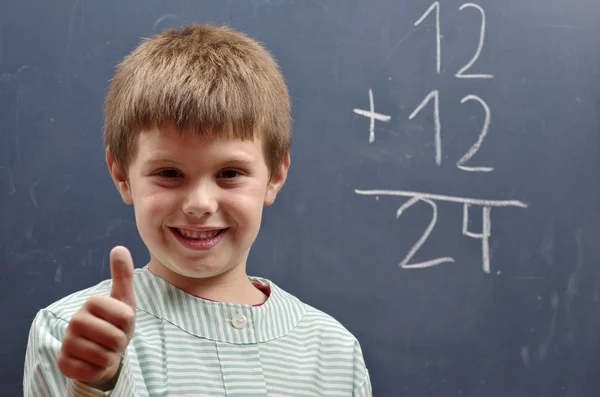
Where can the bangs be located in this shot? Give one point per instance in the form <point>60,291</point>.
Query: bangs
<point>204,80</point>
<point>211,110</point>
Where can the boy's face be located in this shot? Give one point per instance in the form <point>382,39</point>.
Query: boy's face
<point>198,201</point>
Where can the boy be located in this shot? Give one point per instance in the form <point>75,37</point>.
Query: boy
<point>197,136</point>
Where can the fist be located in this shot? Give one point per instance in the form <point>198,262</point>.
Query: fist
<point>100,331</point>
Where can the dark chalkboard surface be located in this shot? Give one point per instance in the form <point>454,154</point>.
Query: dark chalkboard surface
<point>444,196</point>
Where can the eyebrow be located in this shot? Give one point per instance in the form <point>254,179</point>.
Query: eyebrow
<point>166,161</point>
<point>157,161</point>
<point>239,161</point>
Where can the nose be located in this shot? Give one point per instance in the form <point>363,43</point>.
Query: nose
<point>200,200</point>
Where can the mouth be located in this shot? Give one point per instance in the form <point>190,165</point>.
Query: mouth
<point>198,240</point>
<point>197,235</point>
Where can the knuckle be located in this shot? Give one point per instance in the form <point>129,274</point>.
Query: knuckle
<point>66,348</point>
<point>85,374</point>
<point>122,340</point>
<point>76,369</point>
<point>127,316</point>
<point>118,341</point>
<point>123,316</point>
<point>104,359</point>
<point>67,338</point>
<point>94,302</point>
<point>77,324</point>
<point>64,364</point>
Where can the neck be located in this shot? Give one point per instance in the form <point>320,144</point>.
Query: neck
<point>231,287</point>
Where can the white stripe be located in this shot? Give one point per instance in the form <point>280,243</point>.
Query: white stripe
<point>184,344</point>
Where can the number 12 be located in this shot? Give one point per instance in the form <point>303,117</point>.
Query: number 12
<point>461,73</point>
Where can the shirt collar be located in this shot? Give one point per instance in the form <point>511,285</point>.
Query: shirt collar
<point>219,321</point>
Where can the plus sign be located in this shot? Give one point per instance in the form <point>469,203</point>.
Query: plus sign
<point>372,116</point>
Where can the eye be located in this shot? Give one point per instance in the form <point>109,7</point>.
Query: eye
<point>169,173</point>
<point>229,174</point>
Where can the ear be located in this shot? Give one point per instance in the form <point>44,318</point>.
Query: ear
<point>277,180</point>
<point>119,178</point>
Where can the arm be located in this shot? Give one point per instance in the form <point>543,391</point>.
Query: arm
<point>85,356</point>
<point>364,388</point>
<point>42,377</point>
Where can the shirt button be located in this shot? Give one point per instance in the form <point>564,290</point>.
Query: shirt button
<point>239,321</point>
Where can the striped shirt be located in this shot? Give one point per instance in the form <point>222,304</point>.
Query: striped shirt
<point>188,346</point>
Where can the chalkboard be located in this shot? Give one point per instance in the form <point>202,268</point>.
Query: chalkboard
<point>443,201</point>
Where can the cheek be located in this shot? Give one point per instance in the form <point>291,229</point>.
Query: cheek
<point>152,206</point>
<point>247,207</point>
<point>157,207</point>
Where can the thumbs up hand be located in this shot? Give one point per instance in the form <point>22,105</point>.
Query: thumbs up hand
<point>100,331</point>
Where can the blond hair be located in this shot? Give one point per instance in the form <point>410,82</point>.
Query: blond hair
<point>205,80</point>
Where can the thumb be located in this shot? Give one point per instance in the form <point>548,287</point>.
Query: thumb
<point>121,269</point>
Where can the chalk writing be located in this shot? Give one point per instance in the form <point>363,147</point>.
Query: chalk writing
<point>429,198</point>
<point>432,199</point>
<point>461,73</point>
<point>486,125</point>
<point>438,36</point>
<point>372,116</point>
<point>435,95</point>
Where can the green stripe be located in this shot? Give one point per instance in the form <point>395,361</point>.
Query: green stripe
<point>184,345</point>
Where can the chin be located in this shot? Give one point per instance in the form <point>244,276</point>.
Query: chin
<point>190,269</point>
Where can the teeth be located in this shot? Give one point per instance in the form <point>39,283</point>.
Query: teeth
<point>198,235</point>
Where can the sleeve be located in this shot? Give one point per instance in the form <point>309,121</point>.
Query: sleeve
<point>364,389</point>
<point>362,383</point>
<point>42,377</point>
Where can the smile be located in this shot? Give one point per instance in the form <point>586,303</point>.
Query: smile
<point>198,240</point>
<point>196,235</point>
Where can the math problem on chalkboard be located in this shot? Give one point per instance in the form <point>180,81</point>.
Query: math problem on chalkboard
<point>461,163</point>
